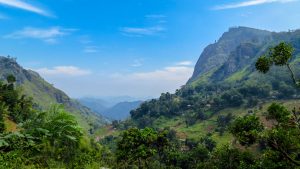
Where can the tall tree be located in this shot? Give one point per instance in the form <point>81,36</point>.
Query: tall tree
<point>279,55</point>
<point>282,140</point>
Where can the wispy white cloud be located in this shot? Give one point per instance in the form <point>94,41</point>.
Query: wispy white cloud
<point>25,6</point>
<point>48,35</point>
<point>138,32</point>
<point>166,79</point>
<point>137,63</point>
<point>91,49</point>
<point>180,72</point>
<point>173,73</point>
<point>250,3</point>
<point>185,63</point>
<point>153,83</point>
<point>138,84</point>
<point>63,71</point>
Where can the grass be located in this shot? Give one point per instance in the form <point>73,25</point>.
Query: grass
<point>198,130</point>
<point>226,138</point>
<point>237,76</point>
<point>10,126</point>
<point>106,131</point>
<point>164,122</point>
<point>41,98</point>
<point>203,78</point>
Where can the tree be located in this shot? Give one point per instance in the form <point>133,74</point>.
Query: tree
<point>44,139</point>
<point>279,55</point>
<point>227,157</point>
<point>136,146</point>
<point>18,107</point>
<point>57,129</point>
<point>3,110</point>
<point>282,139</point>
<point>11,79</point>
<point>208,142</point>
<point>232,98</point>
<point>223,121</point>
<point>246,129</point>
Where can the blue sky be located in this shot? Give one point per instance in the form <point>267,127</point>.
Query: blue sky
<point>139,48</point>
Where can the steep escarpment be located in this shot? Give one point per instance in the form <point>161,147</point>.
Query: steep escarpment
<point>215,55</point>
<point>240,48</point>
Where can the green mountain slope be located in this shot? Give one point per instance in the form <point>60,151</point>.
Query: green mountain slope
<point>96,105</point>
<point>224,85</point>
<point>240,56</point>
<point>121,111</point>
<point>45,95</point>
<point>217,54</point>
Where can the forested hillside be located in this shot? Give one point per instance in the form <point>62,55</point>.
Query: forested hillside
<point>238,112</point>
<point>45,95</point>
<point>234,83</point>
<point>34,138</point>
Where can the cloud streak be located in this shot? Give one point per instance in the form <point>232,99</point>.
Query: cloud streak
<point>250,3</point>
<point>138,84</point>
<point>172,73</point>
<point>137,63</point>
<point>25,6</point>
<point>63,71</point>
<point>151,83</point>
<point>48,35</point>
<point>138,32</point>
<point>91,49</point>
<point>185,63</point>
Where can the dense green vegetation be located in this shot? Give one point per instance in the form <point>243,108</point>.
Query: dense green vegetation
<point>44,95</point>
<point>43,139</point>
<point>215,123</point>
<point>266,140</point>
<point>231,83</point>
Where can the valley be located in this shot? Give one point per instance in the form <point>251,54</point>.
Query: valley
<point>196,126</point>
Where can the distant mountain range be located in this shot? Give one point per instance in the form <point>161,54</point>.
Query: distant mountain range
<point>113,108</point>
<point>45,95</point>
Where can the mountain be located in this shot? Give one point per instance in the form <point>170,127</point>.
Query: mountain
<point>121,111</point>
<point>113,109</point>
<point>238,50</point>
<point>225,84</point>
<point>45,95</point>
<point>95,104</point>
<point>217,54</point>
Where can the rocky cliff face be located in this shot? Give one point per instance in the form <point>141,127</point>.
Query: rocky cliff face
<point>238,50</point>
<point>215,55</point>
<point>45,95</point>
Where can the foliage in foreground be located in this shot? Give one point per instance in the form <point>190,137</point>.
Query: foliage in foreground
<point>50,139</point>
<point>53,139</point>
